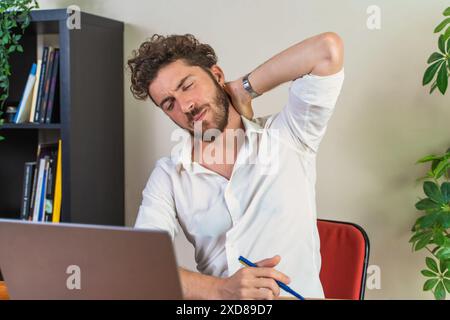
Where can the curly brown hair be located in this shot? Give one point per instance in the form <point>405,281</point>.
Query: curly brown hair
<point>160,51</point>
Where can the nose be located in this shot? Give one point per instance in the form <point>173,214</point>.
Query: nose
<point>186,105</point>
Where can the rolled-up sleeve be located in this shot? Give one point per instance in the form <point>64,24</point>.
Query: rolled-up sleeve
<point>157,210</point>
<point>310,105</point>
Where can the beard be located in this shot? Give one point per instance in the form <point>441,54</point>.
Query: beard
<point>219,110</point>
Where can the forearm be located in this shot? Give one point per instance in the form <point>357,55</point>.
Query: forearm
<point>321,55</point>
<point>198,286</point>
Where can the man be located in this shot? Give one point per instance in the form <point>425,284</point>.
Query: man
<point>232,208</point>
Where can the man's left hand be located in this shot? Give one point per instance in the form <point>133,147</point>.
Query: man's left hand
<point>240,98</point>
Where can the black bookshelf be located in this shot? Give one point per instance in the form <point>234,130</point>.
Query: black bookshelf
<point>91,112</point>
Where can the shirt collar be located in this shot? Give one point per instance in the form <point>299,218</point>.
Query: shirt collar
<point>183,158</point>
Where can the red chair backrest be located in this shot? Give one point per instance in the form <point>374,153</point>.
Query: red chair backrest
<point>344,248</point>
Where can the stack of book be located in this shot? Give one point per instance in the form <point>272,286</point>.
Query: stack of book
<point>41,94</point>
<point>41,196</point>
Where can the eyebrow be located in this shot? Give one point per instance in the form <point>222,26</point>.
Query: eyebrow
<point>182,81</point>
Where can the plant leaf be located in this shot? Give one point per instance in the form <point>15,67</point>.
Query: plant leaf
<point>431,189</point>
<point>447,285</point>
<point>429,284</point>
<point>435,56</point>
<point>445,190</point>
<point>447,36</point>
<point>426,204</point>
<point>440,168</point>
<point>431,264</point>
<point>419,235</point>
<point>428,273</point>
<point>442,78</point>
<point>446,12</point>
<point>439,238</point>
<point>435,163</point>
<point>441,43</point>
<point>430,72</point>
<point>425,240</point>
<point>429,158</point>
<point>441,25</point>
<point>442,266</point>
<point>433,87</point>
<point>439,291</point>
<point>442,162</point>
<point>447,273</point>
<point>444,220</point>
<point>443,254</point>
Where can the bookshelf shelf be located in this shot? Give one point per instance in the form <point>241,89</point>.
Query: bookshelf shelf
<point>55,126</point>
<point>90,110</point>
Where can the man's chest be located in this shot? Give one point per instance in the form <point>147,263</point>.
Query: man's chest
<point>224,170</point>
<point>208,195</point>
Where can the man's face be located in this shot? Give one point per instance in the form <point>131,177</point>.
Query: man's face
<point>189,95</point>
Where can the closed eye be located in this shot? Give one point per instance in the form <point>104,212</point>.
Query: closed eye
<point>169,107</point>
<point>187,87</point>
<point>168,104</point>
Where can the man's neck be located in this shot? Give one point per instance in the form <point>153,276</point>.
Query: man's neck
<point>234,125</point>
<point>234,120</point>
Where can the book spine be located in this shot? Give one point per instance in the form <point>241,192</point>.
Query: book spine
<point>43,190</point>
<point>35,91</point>
<point>25,101</point>
<point>27,183</point>
<point>41,84</point>
<point>51,98</point>
<point>50,187</point>
<point>47,87</point>
<point>32,183</point>
<point>58,187</point>
<point>39,184</point>
<point>33,193</point>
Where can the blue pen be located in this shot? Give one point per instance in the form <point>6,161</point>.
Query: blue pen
<point>281,284</point>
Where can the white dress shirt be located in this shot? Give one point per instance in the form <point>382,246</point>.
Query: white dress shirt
<point>264,209</point>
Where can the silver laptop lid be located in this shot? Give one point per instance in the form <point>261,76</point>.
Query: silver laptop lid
<point>68,261</point>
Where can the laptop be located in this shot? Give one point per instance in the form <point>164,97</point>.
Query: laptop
<point>70,261</point>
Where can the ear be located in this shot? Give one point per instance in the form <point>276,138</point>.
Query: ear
<point>218,74</point>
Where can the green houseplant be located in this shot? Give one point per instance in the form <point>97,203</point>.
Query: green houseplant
<point>15,18</point>
<point>432,229</point>
<point>439,61</point>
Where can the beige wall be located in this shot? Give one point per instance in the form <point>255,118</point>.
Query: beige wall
<point>384,121</point>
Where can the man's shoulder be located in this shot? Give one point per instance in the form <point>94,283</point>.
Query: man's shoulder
<point>164,168</point>
<point>165,163</point>
<point>161,174</point>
